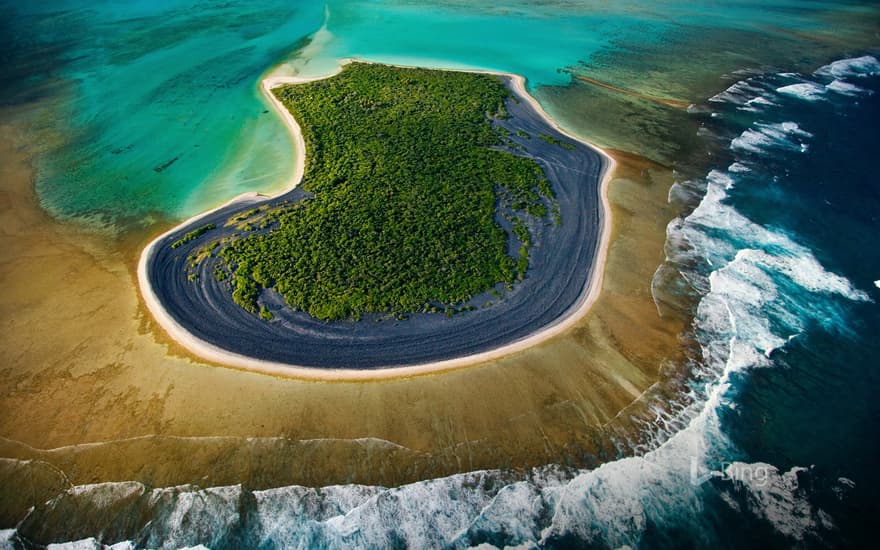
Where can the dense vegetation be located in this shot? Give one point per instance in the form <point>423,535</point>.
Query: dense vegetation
<point>554,141</point>
<point>407,172</point>
<point>192,235</point>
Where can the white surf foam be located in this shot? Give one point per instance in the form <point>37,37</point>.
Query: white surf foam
<point>6,538</point>
<point>761,100</point>
<point>805,270</point>
<point>846,88</point>
<point>756,104</point>
<point>777,498</point>
<point>764,136</point>
<point>809,91</point>
<point>188,516</point>
<point>92,544</point>
<point>840,72</point>
<point>863,66</point>
<point>85,544</point>
<point>738,168</point>
<point>105,495</point>
<point>738,93</point>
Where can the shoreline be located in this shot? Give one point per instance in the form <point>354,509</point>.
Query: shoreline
<point>215,354</point>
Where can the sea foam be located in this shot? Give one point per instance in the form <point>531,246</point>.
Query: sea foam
<point>763,136</point>
<point>809,91</point>
<point>94,544</point>
<point>839,72</point>
<point>738,93</point>
<point>846,88</point>
<point>863,66</point>
<point>778,498</point>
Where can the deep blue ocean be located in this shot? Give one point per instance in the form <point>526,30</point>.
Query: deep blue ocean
<point>774,443</point>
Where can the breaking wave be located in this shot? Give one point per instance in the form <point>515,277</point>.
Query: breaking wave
<point>758,93</point>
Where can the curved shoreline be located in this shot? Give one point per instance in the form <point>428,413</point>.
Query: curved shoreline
<point>214,353</point>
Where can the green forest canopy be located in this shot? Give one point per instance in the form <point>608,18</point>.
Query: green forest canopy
<point>406,171</point>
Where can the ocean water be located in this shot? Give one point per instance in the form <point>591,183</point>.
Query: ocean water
<point>775,249</point>
<point>152,108</point>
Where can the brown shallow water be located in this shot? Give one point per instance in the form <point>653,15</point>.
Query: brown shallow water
<point>92,390</point>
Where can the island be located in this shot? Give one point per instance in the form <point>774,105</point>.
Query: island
<point>438,218</point>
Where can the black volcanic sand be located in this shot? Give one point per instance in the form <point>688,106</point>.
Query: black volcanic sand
<point>561,264</point>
